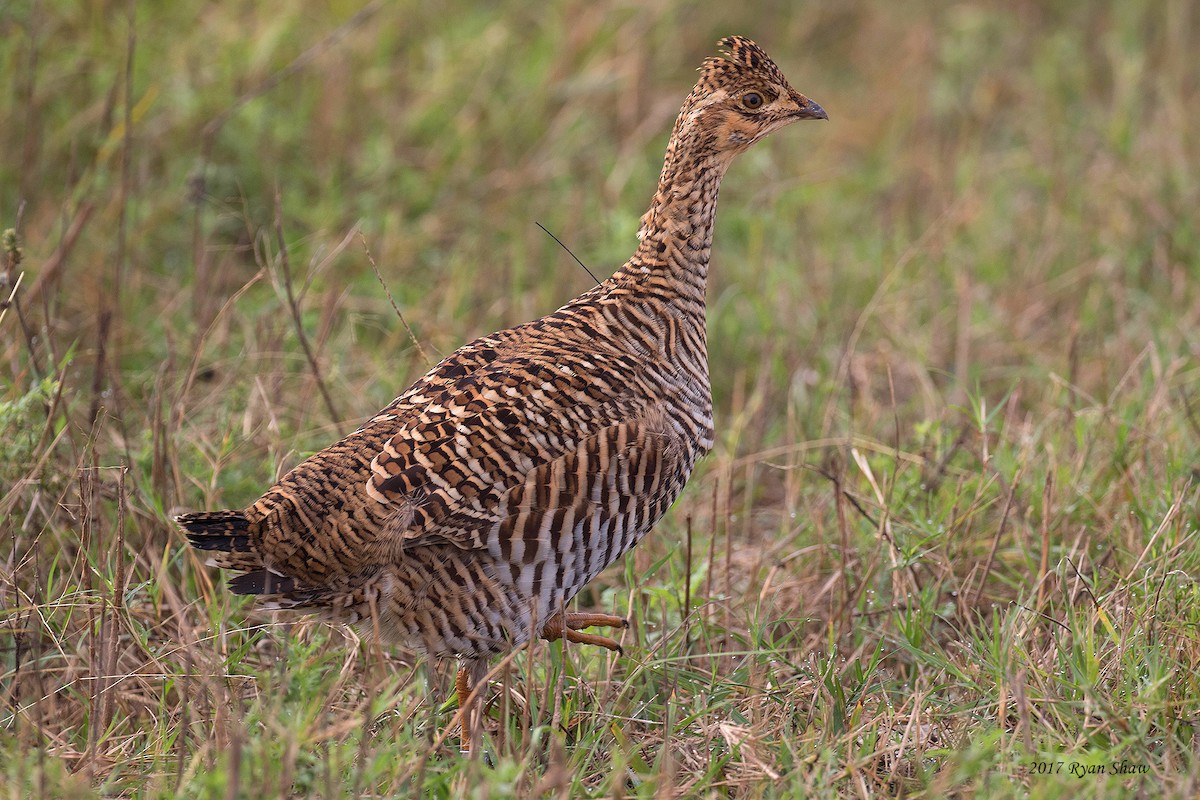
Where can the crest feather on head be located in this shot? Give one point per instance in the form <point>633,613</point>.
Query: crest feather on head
<point>740,58</point>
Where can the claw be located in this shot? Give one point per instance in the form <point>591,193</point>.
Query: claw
<point>591,638</point>
<point>567,626</point>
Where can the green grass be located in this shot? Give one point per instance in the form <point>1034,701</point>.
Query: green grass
<point>946,545</point>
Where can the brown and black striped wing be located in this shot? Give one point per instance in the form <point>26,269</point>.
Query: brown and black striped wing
<point>443,475</point>
<point>551,534</point>
<point>317,525</point>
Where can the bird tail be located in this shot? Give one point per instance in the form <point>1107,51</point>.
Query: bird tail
<point>228,535</point>
<point>227,531</point>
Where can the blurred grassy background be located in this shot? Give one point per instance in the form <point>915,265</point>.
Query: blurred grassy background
<point>948,533</point>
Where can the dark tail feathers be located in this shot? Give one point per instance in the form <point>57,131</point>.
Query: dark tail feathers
<point>261,581</point>
<point>227,531</point>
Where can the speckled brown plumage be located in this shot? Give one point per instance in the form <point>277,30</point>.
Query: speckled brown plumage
<point>482,499</point>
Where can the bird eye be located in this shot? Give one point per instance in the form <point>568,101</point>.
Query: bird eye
<point>752,100</point>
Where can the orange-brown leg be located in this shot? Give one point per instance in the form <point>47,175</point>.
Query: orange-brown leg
<point>567,625</point>
<point>462,685</point>
<point>472,718</point>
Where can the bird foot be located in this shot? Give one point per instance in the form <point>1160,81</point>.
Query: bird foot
<point>567,625</point>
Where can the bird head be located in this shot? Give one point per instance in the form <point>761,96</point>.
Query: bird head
<point>741,97</point>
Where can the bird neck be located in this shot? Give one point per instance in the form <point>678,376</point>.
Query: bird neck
<point>677,231</point>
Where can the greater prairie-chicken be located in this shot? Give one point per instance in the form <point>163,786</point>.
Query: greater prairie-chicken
<point>461,519</point>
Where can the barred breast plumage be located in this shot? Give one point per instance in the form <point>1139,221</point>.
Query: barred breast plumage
<point>481,500</point>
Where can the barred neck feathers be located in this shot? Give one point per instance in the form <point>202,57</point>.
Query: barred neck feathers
<point>740,97</point>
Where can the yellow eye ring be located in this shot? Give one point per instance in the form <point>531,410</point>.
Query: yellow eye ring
<point>752,100</point>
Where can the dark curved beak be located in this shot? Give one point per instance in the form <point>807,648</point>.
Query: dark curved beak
<point>810,110</point>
